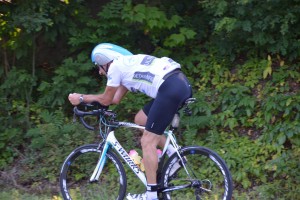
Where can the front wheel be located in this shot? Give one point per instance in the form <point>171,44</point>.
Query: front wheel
<point>78,168</point>
<point>205,176</point>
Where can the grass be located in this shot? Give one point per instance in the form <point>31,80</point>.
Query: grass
<point>19,195</point>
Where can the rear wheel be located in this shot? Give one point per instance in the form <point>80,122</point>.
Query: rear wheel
<point>78,168</point>
<point>209,177</point>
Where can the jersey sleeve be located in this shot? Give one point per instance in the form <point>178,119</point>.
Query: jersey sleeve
<point>114,76</point>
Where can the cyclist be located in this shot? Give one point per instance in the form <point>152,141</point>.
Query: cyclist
<point>159,78</point>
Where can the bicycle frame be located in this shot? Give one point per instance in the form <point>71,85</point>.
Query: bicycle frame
<point>112,142</point>
<point>182,166</point>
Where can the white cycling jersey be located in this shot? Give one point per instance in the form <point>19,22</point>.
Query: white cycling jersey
<point>140,73</point>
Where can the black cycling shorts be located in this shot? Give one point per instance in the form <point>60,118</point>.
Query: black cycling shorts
<point>171,95</point>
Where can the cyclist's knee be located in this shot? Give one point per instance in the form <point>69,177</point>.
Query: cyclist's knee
<point>150,140</point>
<point>140,118</point>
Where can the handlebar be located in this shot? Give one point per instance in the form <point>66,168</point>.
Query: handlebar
<point>101,110</point>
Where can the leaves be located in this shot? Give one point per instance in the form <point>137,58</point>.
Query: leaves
<point>17,83</point>
<point>150,17</point>
<point>180,38</point>
<point>54,92</point>
<point>241,57</point>
<point>268,69</point>
<point>228,24</point>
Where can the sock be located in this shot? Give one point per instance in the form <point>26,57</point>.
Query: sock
<point>170,150</point>
<point>151,194</point>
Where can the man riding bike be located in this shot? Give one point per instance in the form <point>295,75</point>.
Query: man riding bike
<point>159,78</point>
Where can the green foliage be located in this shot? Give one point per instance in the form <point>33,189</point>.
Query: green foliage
<point>15,194</point>
<point>54,93</point>
<point>265,24</point>
<point>18,84</point>
<point>242,58</point>
<point>130,105</point>
<point>253,123</point>
<point>158,26</point>
<point>251,72</point>
<point>13,120</point>
<point>149,17</point>
<point>32,17</point>
<point>10,140</point>
<point>253,155</point>
<point>51,141</point>
<point>180,38</point>
<point>237,104</point>
<point>106,27</point>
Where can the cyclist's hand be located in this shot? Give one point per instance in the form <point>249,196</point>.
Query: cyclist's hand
<point>74,98</point>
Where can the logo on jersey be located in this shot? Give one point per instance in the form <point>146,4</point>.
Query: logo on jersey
<point>147,60</point>
<point>143,76</point>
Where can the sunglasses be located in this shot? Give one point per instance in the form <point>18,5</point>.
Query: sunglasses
<point>97,66</point>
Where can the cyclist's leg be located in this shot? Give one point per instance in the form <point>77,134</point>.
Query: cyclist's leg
<point>149,143</point>
<point>141,119</point>
<point>171,94</point>
<point>160,112</point>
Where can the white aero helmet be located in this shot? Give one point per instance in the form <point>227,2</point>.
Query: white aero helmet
<point>105,52</point>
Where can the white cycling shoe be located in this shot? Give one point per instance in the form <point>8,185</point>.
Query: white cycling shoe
<point>177,165</point>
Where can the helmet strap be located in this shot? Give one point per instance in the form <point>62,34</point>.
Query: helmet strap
<point>107,66</point>
<point>104,67</point>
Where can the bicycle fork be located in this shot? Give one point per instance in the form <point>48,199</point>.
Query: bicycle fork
<point>101,162</point>
<point>112,142</point>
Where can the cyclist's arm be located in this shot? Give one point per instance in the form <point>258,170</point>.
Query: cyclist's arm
<point>105,98</point>
<point>121,91</point>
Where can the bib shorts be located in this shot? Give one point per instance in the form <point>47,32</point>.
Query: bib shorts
<point>171,95</point>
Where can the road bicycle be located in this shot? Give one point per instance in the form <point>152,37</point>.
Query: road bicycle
<point>96,171</point>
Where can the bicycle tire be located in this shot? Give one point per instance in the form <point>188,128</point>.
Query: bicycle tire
<point>206,168</point>
<point>78,168</point>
